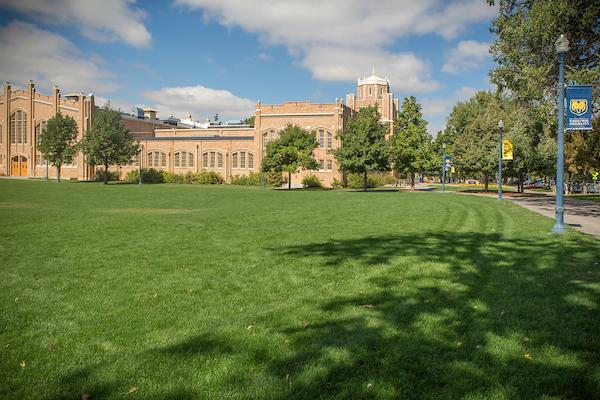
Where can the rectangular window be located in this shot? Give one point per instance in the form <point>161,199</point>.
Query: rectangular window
<point>191,160</point>
<point>19,127</point>
<point>205,160</point>
<point>242,160</point>
<point>163,160</point>
<point>12,128</point>
<point>329,165</point>
<point>234,160</point>
<point>321,165</point>
<point>177,159</point>
<point>322,139</point>
<point>250,161</point>
<point>24,127</point>
<point>212,159</point>
<point>156,159</point>
<point>329,140</point>
<point>219,160</point>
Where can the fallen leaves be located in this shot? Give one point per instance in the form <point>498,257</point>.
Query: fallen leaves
<point>52,346</point>
<point>23,364</point>
<point>528,356</point>
<point>305,323</point>
<point>133,389</point>
<point>250,328</point>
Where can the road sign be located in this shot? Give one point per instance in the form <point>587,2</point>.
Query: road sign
<point>507,150</point>
<point>579,107</point>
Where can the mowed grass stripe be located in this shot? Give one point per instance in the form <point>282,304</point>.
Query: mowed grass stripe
<point>229,292</point>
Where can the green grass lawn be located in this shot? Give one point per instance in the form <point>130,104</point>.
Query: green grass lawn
<point>181,291</point>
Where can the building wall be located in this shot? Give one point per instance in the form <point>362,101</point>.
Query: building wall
<point>38,108</point>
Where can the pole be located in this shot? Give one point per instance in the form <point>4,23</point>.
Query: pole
<point>500,167</point>
<point>262,180</point>
<point>140,160</point>
<point>444,171</point>
<point>47,167</point>
<point>559,226</point>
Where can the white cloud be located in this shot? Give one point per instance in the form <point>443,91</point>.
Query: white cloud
<point>264,57</point>
<point>106,20</point>
<point>466,56</point>
<point>405,70</point>
<point>48,58</point>
<point>345,32</point>
<point>200,101</point>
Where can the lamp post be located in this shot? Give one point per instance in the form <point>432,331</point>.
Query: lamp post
<point>140,159</point>
<point>444,168</point>
<point>500,127</point>
<point>562,47</point>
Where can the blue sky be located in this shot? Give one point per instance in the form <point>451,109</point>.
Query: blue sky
<point>208,56</point>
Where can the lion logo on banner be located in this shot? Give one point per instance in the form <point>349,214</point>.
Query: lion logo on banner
<point>578,106</point>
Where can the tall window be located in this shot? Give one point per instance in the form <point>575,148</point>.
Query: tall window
<point>212,159</point>
<point>329,165</point>
<point>39,128</point>
<point>242,159</point>
<point>135,161</point>
<point>184,159</point>
<point>268,137</point>
<point>18,127</point>
<point>321,165</point>
<point>370,91</point>
<point>321,139</point>
<point>329,140</point>
<point>157,159</point>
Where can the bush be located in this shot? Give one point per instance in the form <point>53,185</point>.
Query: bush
<point>171,177</point>
<point>254,179</point>
<point>337,184</point>
<point>274,178</point>
<point>375,179</point>
<point>311,181</point>
<point>207,178</point>
<point>112,176</point>
<point>148,176</point>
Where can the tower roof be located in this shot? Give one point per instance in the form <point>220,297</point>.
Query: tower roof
<point>373,80</point>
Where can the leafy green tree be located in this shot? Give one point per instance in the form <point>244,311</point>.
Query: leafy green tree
<point>364,146</point>
<point>57,141</point>
<point>108,142</point>
<point>582,151</point>
<point>475,126</point>
<point>410,146</point>
<point>293,151</point>
<point>526,62</point>
<point>249,121</point>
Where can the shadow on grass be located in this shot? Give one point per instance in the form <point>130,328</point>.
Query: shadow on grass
<point>444,315</point>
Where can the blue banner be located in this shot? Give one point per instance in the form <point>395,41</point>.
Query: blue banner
<point>579,107</point>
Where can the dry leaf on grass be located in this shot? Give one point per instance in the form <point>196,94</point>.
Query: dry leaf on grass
<point>23,364</point>
<point>133,389</point>
<point>528,356</point>
<point>368,306</point>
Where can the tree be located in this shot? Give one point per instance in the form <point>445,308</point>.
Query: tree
<point>57,141</point>
<point>108,142</point>
<point>249,121</point>
<point>526,62</point>
<point>293,151</point>
<point>475,127</point>
<point>410,146</point>
<point>364,146</point>
<point>582,150</point>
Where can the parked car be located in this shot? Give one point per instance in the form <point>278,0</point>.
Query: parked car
<point>536,185</point>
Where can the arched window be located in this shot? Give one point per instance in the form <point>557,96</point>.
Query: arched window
<point>184,159</point>
<point>242,160</point>
<point>39,128</point>
<point>321,139</point>
<point>268,137</point>
<point>329,140</point>
<point>157,159</point>
<point>212,160</point>
<point>18,127</point>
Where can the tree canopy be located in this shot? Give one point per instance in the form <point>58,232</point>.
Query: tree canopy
<point>57,142</point>
<point>291,152</point>
<point>364,147</point>
<point>410,146</point>
<point>108,142</point>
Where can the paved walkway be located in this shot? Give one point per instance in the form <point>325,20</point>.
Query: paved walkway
<point>580,214</point>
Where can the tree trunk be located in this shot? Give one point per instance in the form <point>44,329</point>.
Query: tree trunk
<point>486,181</point>
<point>412,181</point>
<point>289,181</point>
<point>105,174</point>
<point>520,184</point>
<point>365,181</point>
<point>58,173</point>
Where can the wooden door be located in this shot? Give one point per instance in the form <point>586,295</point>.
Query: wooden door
<point>15,170</point>
<point>23,166</point>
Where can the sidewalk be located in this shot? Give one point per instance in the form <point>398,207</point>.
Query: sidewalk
<point>580,214</point>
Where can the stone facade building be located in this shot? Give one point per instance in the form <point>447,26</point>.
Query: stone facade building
<point>230,150</point>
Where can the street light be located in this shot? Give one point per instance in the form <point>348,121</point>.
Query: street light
<point>444,168</point>
<point>562,47</point>
<point>500,127</point>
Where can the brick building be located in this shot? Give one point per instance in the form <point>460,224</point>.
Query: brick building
<point>230,150</point>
